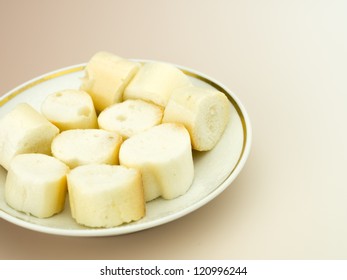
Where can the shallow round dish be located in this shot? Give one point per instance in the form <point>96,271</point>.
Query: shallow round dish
<point>214,170</point>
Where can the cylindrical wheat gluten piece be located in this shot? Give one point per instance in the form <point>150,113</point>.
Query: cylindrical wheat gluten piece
<point>130,117</point>
<point>163,155</point>
<point>70,109</point>
<point>85,146</point>
<point>106,76</point>
<point>205,112</point>
<point>104,195</point>
<point>24,130</point>
<point>154,82</point>
<point>36,184</point>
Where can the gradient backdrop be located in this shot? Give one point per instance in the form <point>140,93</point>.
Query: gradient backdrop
<point>285,60</point>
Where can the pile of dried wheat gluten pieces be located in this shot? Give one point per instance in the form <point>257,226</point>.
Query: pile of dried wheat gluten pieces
<point>124,138</point>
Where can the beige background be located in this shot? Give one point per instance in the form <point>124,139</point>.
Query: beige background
<point>285,60</point>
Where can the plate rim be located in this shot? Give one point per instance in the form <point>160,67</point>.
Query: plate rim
<point>91,232</point>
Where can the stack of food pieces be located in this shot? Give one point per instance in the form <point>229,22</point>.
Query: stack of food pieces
<point>124,138</point>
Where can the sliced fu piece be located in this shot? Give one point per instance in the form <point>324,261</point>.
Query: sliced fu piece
<point>85,146</point>
<point>104,195</point>
<point>204,112</point>
<point>154,82</point>
<point>24,130</point>
<point>70,109</point>
<point>163,155</point>
<point>106,76</point>
<point>130,117</point>
<point>36,184</point>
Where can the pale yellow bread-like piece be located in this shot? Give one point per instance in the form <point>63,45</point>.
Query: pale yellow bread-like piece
<point>204,112</point>
<point>36,184</point>
<point>130,117</point>
<point>105,195</point>
<point>154,82</point>
<point>106,76</point>
<point>86,146</point>
<point>70,109</point>
<point>24,130</point>
<point>163,155</point>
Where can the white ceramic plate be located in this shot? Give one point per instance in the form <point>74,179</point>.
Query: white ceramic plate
<point>214,170</point>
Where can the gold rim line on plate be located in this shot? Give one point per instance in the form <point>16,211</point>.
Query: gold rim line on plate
<point>8,97</point>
